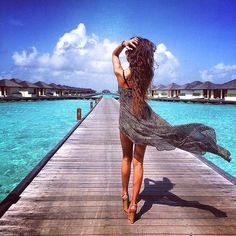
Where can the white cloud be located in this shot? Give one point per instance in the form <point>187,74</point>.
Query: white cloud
<point>219,73</point>
<point>76,40</point>
<point>168,65</point>
<point>26,57</point>
<point>78,59</point>
<point>84,60</point>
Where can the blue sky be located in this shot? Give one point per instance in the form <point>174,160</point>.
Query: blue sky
<point>42,39</point>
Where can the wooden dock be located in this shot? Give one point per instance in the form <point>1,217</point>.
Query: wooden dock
<point>78,191</point>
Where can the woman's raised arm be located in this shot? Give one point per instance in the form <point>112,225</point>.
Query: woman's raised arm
<point>117,68</point>
<point>129,45</point>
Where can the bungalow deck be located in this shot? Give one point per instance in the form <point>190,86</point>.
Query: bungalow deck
<point>194,100</point>
<point>78,191</point>
<point>44,98</point>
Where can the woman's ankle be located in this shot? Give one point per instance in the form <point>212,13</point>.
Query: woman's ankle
<point>132,208</point>
<point>125,195</point>
<point>133,204</point>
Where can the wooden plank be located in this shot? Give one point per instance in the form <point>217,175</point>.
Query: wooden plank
<point>78,191</point>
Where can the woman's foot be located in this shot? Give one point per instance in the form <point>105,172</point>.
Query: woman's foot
<point>125,202</point>
<point>132,213</point>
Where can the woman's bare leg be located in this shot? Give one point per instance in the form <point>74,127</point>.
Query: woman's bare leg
<point>127,148</point>
<point>139,152</point>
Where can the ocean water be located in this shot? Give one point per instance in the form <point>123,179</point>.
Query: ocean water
<point>220,117</point>
<point>28,131</point>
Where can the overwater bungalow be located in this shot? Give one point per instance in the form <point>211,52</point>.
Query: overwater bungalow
<point>56,90</point>
<point>229,89</point>
<point>89,91</point>
<point>29,89</point>
<point>187,91</point>
<point>20,88</point>
<point>66,90</point>
<point>72,91</point>
<point>79,91</point>
<point>209,90</point>
<point>9,88</point>
<point>197,90</point>
<point>172,90</point>
<point>157,91</point>
<point>44,89</point>
<point>63,90</point>
<point>16,80</point>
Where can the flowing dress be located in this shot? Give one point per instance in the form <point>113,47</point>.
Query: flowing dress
<point>153,130</point>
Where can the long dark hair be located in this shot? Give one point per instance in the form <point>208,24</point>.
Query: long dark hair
<point>141,61</point>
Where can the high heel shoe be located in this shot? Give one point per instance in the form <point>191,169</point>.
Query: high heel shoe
<point>132,213</point>
<point>125,202</point>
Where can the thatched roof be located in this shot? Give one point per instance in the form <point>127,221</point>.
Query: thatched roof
<point>207,85</point>
<point>159,86</point>
<point>60,86</point>
<point>55,86</point>
<point>69,87</point>
<point>194,84</point>
<point>78,89</point>
<point>184,86</point>
<point>27,84</point>
<point>64,87</point>
<point>229,85</point>
<point>172,86</point>
<point>190,85</point>
<point>81,89</point>
<point>16,80</point>
<point>41,84</point>
<point>9,83</point>
<point>197,85</point>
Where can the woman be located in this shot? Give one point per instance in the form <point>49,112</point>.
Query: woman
<point>140,126</point>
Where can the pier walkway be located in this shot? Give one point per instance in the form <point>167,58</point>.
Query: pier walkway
<point>78,192</point>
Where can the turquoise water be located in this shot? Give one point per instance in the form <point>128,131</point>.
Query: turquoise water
<point>220,117</point>
<point>28,131</point>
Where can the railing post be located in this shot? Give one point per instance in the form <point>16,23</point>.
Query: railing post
<point>91,105</point>
<point>79,113</point>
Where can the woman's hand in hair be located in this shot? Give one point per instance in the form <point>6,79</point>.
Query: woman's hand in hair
<point>130,44</point>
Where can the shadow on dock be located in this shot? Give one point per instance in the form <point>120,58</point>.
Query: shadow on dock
<point>158,192</point>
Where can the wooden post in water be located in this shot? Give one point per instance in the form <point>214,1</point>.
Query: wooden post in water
<point>79,113</point>
<point>91,105</point>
